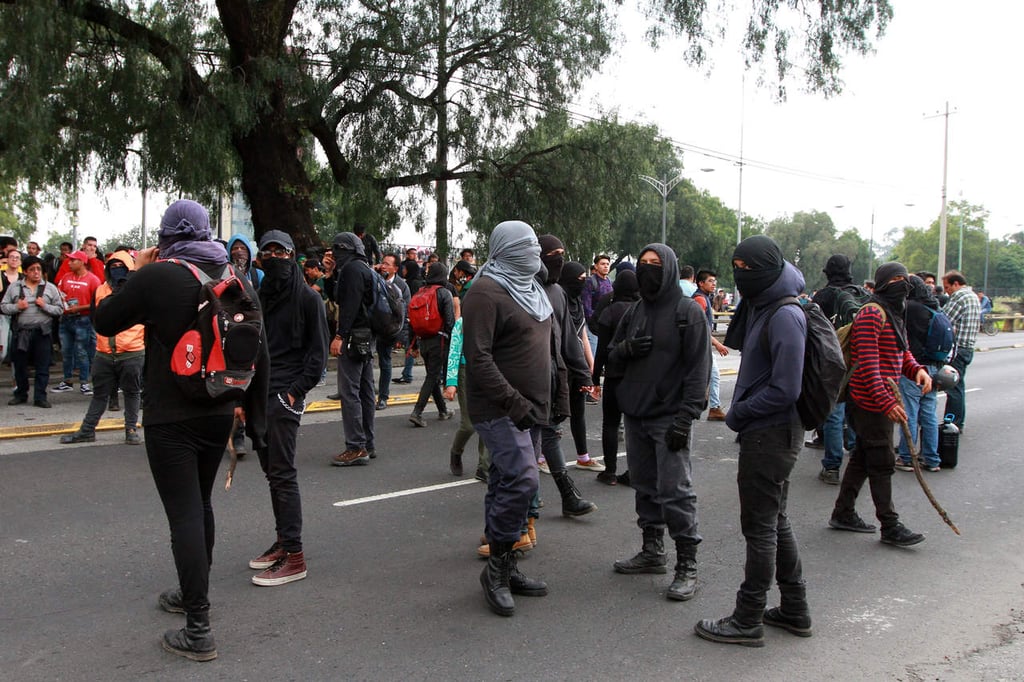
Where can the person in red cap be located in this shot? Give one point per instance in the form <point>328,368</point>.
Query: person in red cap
<point>77,338</point>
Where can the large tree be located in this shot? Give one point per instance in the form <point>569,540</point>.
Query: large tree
<point>396,93</point>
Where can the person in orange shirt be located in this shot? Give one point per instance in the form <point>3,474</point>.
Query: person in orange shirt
<point>119,361</point>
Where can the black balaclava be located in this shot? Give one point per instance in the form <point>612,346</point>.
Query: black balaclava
<point>922,293</point>
<point>764,258</point>
<point>893,297</point>
<point>554,264</point>
<point>625,287</point>
<point>837,269</point>
<point>347,247</point>
<point>658,282</point>
<point>282,287</point>
<point>570,279</point>
<point>117,273</point>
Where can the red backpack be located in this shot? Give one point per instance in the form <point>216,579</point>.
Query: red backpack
<point>424,313</point>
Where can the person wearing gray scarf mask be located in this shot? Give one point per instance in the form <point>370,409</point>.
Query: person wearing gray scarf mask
<point>506,343</point>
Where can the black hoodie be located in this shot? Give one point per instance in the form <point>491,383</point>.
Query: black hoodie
<point>673,378</point>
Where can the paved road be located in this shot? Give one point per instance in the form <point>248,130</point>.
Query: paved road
<point>393,591</point>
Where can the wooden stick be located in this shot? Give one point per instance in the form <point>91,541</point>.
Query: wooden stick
<point>233,452</point>
<point>917,463</point>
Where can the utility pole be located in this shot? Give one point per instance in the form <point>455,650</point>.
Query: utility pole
<point>942,216</point>
<point>739,207</point>
<point>441,109</point>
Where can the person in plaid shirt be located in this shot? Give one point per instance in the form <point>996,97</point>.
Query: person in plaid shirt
<point>964,311</point>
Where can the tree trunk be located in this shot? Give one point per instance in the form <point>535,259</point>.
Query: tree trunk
<point>276,184</point>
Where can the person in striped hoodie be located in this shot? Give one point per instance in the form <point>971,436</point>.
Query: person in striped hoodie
<point>879,351</point>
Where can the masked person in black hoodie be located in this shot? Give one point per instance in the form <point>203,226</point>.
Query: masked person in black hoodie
<point>764,413</point>
<point>434,349</point>
<point>353,346</point>
<point>625,292</point>
<point>295,320</point>
<point>662,351</point>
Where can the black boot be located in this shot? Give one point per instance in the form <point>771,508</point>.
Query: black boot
<point>520,584</point>
<point>684,585</point>
<point>170,601</point>
<point>573,503</point>
<point>495,579</point>
<point>651,558</point>
<point>194,641</point>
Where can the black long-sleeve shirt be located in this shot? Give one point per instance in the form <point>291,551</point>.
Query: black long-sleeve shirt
<point>296,370</point>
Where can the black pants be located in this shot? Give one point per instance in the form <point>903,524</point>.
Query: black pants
<point>434,352</point>
<point>578,420</point>
<point>278,463</point>
<point>611,417</point>
<point>184,458</point>
<point>767,457</point>
<point>873,459</point>
<point>38,353</point>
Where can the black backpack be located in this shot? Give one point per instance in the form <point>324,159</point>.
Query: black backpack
<point>214,361</point>
<point>824,369</point>
<point>387,313</point>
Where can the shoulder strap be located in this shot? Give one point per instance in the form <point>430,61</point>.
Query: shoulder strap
<point>196,272</point>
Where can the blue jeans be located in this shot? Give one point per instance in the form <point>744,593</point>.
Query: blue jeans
<point>77,345</point>
<point>714,397</point>
<point>832,435</point>
<point>920,414</point>
<point>512,481</point>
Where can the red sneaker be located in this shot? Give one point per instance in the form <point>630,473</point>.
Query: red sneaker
<point>289,568</point>
<point>268,558</point>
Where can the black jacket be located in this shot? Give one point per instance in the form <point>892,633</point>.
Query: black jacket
<point>296,370</point>
<point>673,378</point>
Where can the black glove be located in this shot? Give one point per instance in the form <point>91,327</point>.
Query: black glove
<point>678,436</point>
<point>526,423</point>
<point>638,346</point>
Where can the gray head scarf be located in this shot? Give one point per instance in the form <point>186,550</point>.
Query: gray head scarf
<point>513,262</point>
<point>185,233</point>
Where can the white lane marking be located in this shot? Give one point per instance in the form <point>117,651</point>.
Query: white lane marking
<point>424,489</point>
<point>403,493</point>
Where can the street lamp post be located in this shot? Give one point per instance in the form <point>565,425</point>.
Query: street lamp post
<point>663,187</point>
<point>143,182</point>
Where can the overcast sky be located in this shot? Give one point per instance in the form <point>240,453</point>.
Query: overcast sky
<point>872,149</point>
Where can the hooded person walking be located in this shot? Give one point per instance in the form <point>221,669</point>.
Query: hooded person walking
<point>662,352</point>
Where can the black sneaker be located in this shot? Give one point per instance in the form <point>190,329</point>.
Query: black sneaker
<point>829,476</point>
<point>42,403</point>
<point>853,523</point>
<point>901,536</point>
<point>814,444</point>
<point>78,437</point>
<point>17,400</point>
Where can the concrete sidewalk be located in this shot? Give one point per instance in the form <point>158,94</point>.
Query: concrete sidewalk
<point>28,421</point>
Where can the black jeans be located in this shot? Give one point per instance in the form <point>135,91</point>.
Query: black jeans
<point>184,457</point>
<point>38,354</point>
<point>578,420</point>
<point>767,457</point>
<point>384,362</point>
<point>278,463</point>
<point>611,417</point>
<point>873,459</point>
<point>434,352</point>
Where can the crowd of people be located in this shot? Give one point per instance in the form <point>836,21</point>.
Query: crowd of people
<point>523,343</point>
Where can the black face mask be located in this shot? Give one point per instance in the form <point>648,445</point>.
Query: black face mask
<point>752,282</point>
<point>574,288</point>
<point>895,293</point>
<point>554,265</point>
<point>649,278</point>
<point>118,274</point>
<point>278,269</point>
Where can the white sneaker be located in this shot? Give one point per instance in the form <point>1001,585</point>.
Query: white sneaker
<point>63,386</point>
<point>544,468</point>
<point>86,389</point>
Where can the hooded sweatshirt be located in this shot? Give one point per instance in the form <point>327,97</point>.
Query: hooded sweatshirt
<point>921,304</point>
<point>131,342</point>
<point>255,274</point>
<point>354,289</point>
<point>840,299</point>
<point>768,383</point>
<point>673,378</point>
<point>625,292</point>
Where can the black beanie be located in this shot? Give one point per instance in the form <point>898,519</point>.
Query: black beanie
<point>886,271</point>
